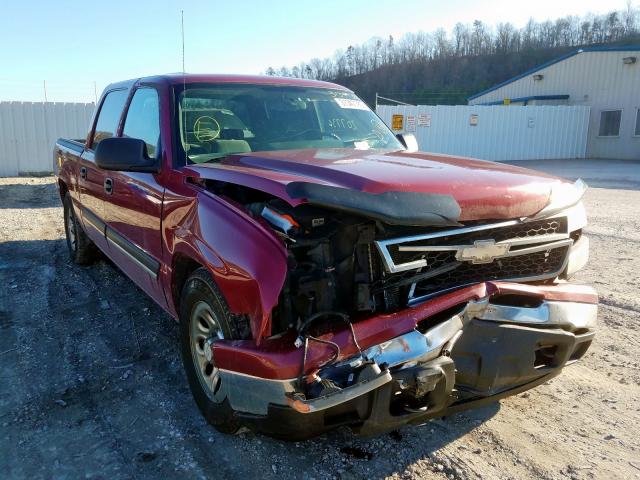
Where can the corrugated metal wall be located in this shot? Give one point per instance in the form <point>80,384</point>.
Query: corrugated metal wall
<point>600,80</point>
<point>500,133</point>
<point>28,131</point>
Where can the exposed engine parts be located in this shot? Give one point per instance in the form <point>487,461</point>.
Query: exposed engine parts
<point>331,267</point>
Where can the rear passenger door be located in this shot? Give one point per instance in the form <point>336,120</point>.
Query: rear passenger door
<point>133,208</point>
<point>91,179</point>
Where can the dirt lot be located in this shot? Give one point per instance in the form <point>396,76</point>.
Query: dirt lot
<point>91,382</point>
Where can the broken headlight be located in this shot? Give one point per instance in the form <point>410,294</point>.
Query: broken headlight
<point>579,251</point>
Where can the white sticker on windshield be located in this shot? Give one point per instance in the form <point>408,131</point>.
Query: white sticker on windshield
<point>351,103</point>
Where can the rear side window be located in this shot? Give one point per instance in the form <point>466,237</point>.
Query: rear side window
<point>637,132</point>
<point>109,116</point>
<point>143,119</point>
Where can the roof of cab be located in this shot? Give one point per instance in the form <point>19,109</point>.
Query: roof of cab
<point>180,78</point>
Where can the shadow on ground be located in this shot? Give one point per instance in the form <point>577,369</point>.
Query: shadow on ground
<point>29,196</point>
<point>92,384</point>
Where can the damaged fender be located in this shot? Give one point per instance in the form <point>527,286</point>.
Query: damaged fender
<point>248,266</point>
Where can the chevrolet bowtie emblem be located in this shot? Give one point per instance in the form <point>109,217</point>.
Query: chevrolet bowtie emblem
<point>482,251</point>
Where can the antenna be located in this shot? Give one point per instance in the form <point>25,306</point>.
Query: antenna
<point>184,93</point>
<point>182,28</point>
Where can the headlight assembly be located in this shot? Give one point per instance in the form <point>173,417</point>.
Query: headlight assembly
<point>563,196</point>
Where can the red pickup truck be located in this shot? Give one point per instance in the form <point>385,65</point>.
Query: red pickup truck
<point>322,271</point>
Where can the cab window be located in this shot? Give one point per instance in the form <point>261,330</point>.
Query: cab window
<point>143,119</point>
<point>109,116</point>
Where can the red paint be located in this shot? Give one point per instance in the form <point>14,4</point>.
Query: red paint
<point>171,217</point>
<point>484,190</point>
<point>279,359</point>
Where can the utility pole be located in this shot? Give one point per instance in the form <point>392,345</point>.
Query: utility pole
<point>44,84</point>
<point>95,92</point>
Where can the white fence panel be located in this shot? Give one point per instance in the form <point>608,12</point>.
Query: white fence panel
<point>28,131</point>
<point>499,133</point>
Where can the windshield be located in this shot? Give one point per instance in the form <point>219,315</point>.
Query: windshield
<point>219,120</point>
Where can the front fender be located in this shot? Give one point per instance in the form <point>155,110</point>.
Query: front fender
<point>248,263</point>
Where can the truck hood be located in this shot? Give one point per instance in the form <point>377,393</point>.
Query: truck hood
<point>439,189</point>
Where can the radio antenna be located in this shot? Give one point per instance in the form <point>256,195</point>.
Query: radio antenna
<point>182,28</point>
<point>184,94</point>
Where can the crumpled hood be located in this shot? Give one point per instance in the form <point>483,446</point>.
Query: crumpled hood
<point>483,190</point>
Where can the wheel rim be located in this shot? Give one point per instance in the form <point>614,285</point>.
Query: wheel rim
<point>71,229</point>
<point>204,331</point>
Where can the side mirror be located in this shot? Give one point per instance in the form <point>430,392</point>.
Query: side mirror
<point>409,141</point>
<point>124,154</point>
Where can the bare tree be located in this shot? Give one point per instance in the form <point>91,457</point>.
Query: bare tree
<point>416,49</point>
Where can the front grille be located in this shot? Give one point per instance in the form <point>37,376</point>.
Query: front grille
<point>499,234</point>
<point>528,251</point>
<point>539,264</point>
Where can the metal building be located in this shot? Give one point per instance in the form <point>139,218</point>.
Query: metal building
<point>493,132</point>
<point>605,78</point>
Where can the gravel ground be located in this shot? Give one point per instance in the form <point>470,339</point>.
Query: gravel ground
<point>91,382</point>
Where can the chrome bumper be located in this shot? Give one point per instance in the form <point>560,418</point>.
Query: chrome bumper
<point>254,395</point>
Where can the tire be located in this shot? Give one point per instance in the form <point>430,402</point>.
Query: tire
<point>205,317</point>
<point>81,249</point>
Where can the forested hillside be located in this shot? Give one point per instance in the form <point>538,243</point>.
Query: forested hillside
<point>445,67</point>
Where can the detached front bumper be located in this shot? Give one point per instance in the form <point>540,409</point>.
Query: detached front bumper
<point>479,345</point>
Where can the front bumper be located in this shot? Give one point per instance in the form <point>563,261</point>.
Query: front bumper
<point>485,348</point>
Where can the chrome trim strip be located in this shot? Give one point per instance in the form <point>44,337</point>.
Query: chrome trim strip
<point>562,241</point>
<point>93,220</point>
<point>333,399</point>
<point>112,240</point>
<point>571,315</point>
<point>250,394</point>
<point>447,233</point>
<point>415,346</point>
<point>552,237</point>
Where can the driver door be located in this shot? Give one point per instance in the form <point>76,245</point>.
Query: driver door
<point>133,209</point>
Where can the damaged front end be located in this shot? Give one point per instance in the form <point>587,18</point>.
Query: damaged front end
<point>383,323</point>
<point>469,347</point>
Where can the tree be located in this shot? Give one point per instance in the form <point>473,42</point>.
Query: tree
<point>440,67</point>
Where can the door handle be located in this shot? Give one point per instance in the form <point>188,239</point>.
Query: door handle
<point>108,185</point>
<point>83,173</point>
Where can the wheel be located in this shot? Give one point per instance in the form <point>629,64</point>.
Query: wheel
<point>204,319</point>
<point>81,249</point>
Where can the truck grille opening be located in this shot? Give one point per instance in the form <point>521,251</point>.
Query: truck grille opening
<point>501,234</point>
<point>423,265</point>
<point>513,268</point>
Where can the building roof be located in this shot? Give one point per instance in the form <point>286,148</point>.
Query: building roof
<point>525,100</point>
<point>601,48</point>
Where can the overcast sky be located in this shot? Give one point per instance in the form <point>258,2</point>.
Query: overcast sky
<point>72,44</point>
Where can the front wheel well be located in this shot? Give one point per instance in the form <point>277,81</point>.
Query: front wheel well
<point>183,267</point>
<point>62,188</point>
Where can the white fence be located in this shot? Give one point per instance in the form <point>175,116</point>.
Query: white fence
<point>495,132</point>
<point>28,131</point>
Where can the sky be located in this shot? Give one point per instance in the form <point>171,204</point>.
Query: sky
<point>73,49</point>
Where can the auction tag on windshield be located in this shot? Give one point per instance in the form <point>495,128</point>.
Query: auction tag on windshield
<point>351,103</point>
